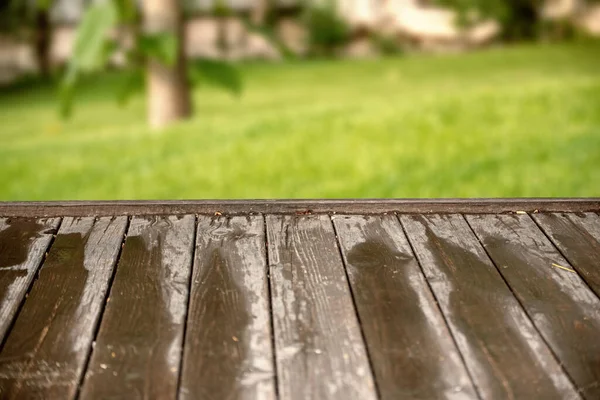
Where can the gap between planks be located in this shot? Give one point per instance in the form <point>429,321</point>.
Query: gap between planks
<point>270,303</point>
<point>187,306</point>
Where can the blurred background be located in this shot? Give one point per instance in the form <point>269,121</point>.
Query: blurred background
<point>208,99</point>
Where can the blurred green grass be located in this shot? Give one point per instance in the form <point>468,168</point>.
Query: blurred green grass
<point>518,121</point>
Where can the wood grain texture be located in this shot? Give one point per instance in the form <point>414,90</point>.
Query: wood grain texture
<point>138,347</point>
<point>228,349</point>
<point>45,352</point>
<point>504,353</point>
<point>578,238</point>
<point>560,304</point>
<point>412,351</point>
<point>23,243</point>
<point>346,206</point>
<point>319,348</point>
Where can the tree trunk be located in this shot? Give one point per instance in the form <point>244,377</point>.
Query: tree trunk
<point>42,42</point>
<point>168,88</point>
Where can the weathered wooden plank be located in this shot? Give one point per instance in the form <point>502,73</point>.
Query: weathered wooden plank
<point>319,349</point>
<point>578,238</point>
<point>504,353</point>
<point>23,243</point>
<point>349,206</point>
<point>411,349</point>
<point>228,350</point>
<point>45,352</point>
<point>560,304</point>
<point>138,347</point>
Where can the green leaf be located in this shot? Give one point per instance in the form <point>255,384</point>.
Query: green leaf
<point>217,73</point>
<point>160,46</point>
<point>89,51</point>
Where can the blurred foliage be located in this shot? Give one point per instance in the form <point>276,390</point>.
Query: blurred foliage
<point>221,9</point>
<point>14,14</point>
<point>161,47</point>
<point>216,73</point>
<point>94,47</point>
<point>269,31</point>
<point>17,16</point>
<point>29,20</point>
<point>268,28</point>
<point>327,30</point>
<point>11,12</point>
<point>128,11</point>
<point>387,45</point>
<point>131,84</point>
<point>91,50</point>
<point>520,19</point>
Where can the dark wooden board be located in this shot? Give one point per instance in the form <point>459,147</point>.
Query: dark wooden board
<point>228,348</point>
<point>350,206</point>
<point>23,243</point>
<point>138,347</point>
<point>504,353</point>
<point>413,354</point>
<point>578,238</point>
<point>560,304</point>
<point>318,344</point>
<point>45,352</point>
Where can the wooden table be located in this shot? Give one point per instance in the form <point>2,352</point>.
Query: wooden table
<point>491,299</point>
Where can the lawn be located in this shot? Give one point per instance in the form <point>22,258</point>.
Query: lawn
<point>515,121</point>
